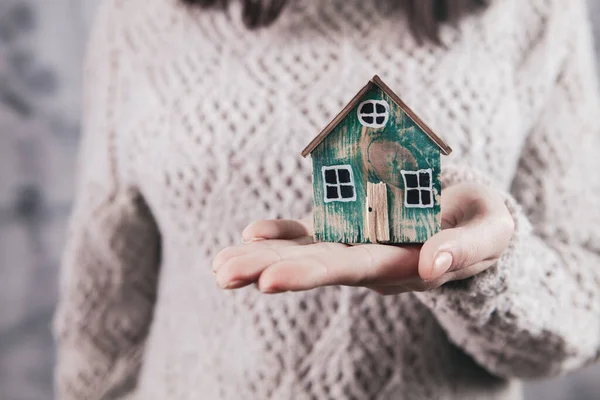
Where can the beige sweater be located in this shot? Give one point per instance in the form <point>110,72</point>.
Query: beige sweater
<point>193,129</point>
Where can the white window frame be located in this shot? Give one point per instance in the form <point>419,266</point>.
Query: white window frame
<point>419,188</point>
<point>374,114</point>
<point>336,168</point>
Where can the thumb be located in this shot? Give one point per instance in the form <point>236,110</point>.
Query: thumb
<point>470,248</point>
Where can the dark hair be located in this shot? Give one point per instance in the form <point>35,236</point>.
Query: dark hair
<point>425,16</point>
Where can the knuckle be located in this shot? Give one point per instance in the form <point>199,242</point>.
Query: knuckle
<point>462,255</point>
<point>467,253</point>
<point>471,253</point>
<point>506,225</point>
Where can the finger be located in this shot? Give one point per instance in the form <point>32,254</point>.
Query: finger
<point>235,251</point>
<point>353,266</point>
<point>277,229</point>
<point>247,267</point>
<point>482,240</point>
<point>234,285</point>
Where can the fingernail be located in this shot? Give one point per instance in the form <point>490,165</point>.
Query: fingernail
<point>234,285</point>
<point>441,264</point>
<point>251,240</point>
<point>267,289</point>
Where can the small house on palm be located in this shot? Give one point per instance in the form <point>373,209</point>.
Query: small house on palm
<point>376,172</point>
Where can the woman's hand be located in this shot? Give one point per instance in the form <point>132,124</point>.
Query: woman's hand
<point>280,255</point>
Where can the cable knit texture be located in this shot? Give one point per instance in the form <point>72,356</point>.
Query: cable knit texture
<point>193,129</point>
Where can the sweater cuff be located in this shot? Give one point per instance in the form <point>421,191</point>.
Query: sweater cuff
<point>473,300</point>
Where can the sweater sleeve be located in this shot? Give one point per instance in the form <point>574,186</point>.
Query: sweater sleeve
<point>109,270</point>
<point>536,313</point>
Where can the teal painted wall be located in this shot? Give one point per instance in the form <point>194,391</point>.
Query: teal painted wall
<point>376,155</point>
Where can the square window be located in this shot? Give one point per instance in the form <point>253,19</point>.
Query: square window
<point>412,197</point>
<point>330,177</point>
<point>380,120</point>
<point>411,181</point>
<point>424,179</point>
<point>418,188</point>
<point>347,191</point>
<point>381,109</point>
<point>332,192</point>
<point>344,175</point>
<point>338,183</point>
<point>425,197</point>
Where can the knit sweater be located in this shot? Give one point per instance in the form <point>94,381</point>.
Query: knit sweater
<point>193,129</point>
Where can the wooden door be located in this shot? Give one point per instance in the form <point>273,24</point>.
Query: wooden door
<point>377,213</point>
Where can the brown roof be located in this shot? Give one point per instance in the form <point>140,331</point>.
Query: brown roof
<point>376,81</point>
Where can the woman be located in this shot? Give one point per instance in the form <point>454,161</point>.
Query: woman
<point>193,127</point>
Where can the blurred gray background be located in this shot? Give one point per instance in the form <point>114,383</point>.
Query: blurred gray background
<point>41,48</point>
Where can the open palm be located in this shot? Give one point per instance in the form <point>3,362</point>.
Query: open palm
<point>281,255</point>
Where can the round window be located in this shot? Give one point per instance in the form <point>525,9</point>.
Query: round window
<point>374,113</point>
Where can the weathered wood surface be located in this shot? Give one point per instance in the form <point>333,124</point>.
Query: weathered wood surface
<point>377,155</point>
<point>377,217</point>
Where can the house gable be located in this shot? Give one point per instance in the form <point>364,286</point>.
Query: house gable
<point>360,96</point>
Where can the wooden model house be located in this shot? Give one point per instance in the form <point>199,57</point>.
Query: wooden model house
<point>376,172</point>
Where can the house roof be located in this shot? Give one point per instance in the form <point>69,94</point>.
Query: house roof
<point>377,82</point>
